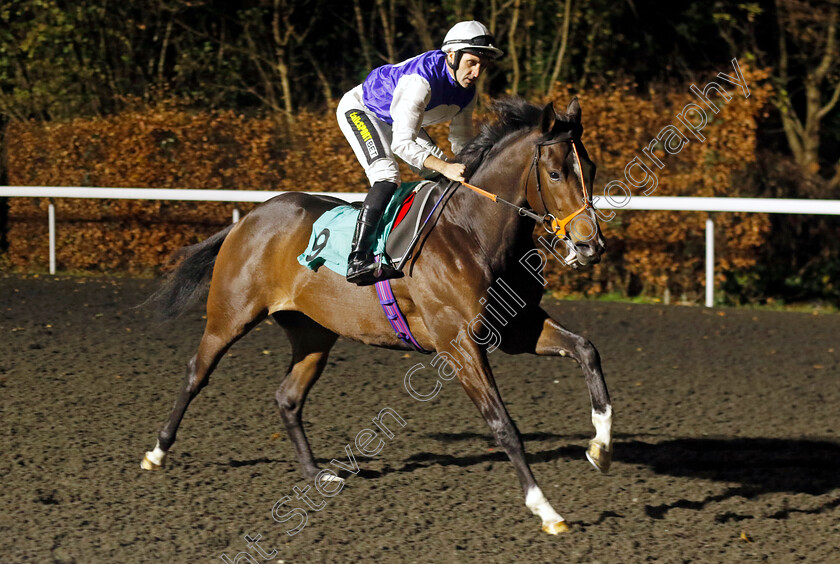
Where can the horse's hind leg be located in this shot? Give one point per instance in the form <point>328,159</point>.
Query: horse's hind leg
<point>311,344</point>
<point>223,329</point>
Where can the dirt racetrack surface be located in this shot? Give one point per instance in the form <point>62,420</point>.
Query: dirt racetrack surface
<point>726,429</point>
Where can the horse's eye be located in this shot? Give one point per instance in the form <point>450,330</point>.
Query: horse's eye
<point>554,175</point>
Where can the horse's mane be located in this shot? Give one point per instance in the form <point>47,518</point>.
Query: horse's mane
<point>512,115</point>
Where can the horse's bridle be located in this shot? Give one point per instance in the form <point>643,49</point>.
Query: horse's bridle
<point>548,221</point>
<point>557,227</point>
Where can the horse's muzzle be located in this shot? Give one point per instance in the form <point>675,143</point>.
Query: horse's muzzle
<point>586,254</point>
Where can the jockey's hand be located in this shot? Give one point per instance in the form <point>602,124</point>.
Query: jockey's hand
<point>454,171</point>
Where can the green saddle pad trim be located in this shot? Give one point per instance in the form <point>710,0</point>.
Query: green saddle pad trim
<point>331,239</point>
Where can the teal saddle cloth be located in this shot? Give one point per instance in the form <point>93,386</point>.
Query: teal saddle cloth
<point>332,234</point>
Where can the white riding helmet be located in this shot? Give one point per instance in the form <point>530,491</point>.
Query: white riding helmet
<point>471,36</point>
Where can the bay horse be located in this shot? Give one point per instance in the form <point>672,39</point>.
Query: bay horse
<point>529,157</point>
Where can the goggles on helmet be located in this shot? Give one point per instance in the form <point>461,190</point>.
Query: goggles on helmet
<point>478,41</point>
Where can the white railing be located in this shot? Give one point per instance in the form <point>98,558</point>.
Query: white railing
<point>748,205</point>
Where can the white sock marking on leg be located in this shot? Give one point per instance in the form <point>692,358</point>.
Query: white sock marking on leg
<point>603,427</point>
<point>536,502</point>
<point>157,455</point>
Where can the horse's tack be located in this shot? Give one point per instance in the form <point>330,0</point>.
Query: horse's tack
<point>547,220</point>
<point>555,226</point>
<point>386,296</point>
<point>395,316</point>
<point>558,227</point>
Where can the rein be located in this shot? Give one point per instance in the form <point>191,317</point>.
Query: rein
<point>547,220</point>
<point>522,211</point>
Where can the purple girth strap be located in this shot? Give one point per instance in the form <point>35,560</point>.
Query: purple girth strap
<point>395,316</point>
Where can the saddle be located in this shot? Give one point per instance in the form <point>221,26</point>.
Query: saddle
<point>410,219</point>
<point>331,238</point>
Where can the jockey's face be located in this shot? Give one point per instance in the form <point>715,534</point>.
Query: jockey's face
<point>470,68</point>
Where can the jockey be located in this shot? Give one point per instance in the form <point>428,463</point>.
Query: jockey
<point>383,118</point>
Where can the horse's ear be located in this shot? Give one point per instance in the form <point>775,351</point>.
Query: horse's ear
<point>574,110</point>
<point>548,118</point>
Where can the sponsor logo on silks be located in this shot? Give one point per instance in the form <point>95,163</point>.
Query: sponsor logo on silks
<point>360,125</point>
<point>367,138</point>
<point>362,128</point>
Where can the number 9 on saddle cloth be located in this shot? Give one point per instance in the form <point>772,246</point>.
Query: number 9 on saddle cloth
<point>331,238</point>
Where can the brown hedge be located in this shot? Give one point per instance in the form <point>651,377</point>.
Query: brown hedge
<point>163,147</point>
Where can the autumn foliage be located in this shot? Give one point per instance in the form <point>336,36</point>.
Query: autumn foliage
<point>163,147</point>
<point>170,147</point>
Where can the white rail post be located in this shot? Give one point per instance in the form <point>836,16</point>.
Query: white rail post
<point>710,262</point>
<point>235,215</point>
<point>51,219</point>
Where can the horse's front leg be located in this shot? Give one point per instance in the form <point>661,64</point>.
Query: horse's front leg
<point>538,333</point>
<point>554,340</point>
<point>476,377</point>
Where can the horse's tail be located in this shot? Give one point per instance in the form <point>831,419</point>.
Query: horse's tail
<point>189,281</point>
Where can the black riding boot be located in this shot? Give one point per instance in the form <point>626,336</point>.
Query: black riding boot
<point>362,269</point>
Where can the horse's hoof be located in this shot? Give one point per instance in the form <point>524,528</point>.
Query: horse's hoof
<point>599,456</point>
<point>148,464</point>
<point>556,528</point>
